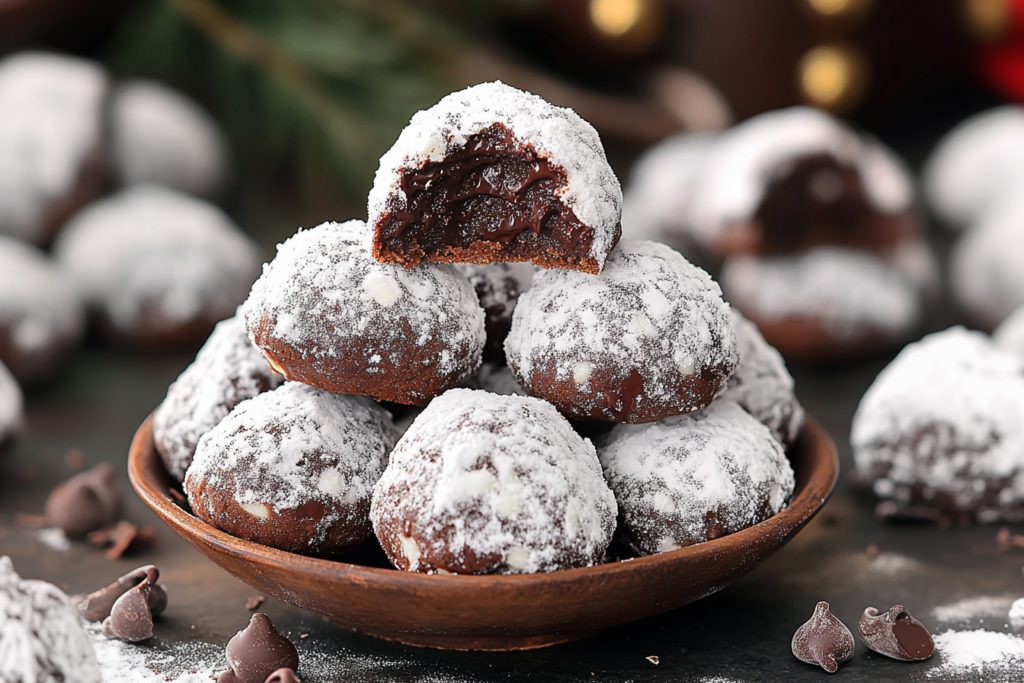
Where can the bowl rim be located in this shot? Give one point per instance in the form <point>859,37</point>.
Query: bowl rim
<point>808,499</point>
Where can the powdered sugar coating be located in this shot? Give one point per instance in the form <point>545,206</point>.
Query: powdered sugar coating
<point>941,427</point>
<point>738,169</point>
<point>160,136</point>
<point>691,478</point>
<point>226,371</point>
<point>482,483</point>
<point>40,311</point>
<point>987,264</point>
<point>976,164</point>
<point>649,311</point>
<point>324,292</point>
<point>1010,333</point>
<point>41,636</point>
<point>662,187</point>
<point>150,255</point>
<point>852,293</point>
<point>12,405</point>
<point>762,385</point>
<point>50,125</point>
<point>592,191</point>
<point>284,448</point>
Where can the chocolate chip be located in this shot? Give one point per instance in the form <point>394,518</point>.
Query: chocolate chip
<point>97,605</point>
<point>131,617</point>
<point>823,640</point>
<point>896,634</point>
<point>283,676</point>
<point>85,502</point>
<point>258,652</point>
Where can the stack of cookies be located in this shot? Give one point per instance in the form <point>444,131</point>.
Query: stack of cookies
<point>358,320</point>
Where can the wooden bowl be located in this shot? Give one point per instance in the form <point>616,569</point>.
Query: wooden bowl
<point>495,612</point>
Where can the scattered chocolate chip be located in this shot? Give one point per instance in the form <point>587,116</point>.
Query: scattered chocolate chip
<point>872,551</point>
<point>97,605</point>
<point>895,634</point>
<point>1008,542</point>
<point>653,659</point>
<point>823,640</point>
<point>131,617</point>
<point>258,652</point>
<point>74,459</point>
<point>122,537</point>
<point>253,602</point>
<point>283,676</point>
<point>86,501</point>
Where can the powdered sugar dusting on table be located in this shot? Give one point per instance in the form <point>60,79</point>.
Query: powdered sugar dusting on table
<point>149,248</point>
<point>762,385</point>
<point>739,168</point>
<point>324,286</point>
<point>265,448</point>
<point>668,475</point>
<point>37,301</point>
<point>847,290</point>
<point>650,309</point>
<point>592,191</point>
<point>946,414</point>
<point>227,370</point>
<point>50,123</point>
<point>981,655</point>
<point>40,633</point>
<point>504,475</point>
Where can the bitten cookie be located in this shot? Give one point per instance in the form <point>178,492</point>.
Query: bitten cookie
<point>694,478</point>
<point>796,178</point>
<point>293,469</point>
<point>156,267</point>
<point>41,315</point>
<point>327,314</point>
<point>51,140</point>
<point>488,484</point>
<point>160,136</point>
<point>648,338</point>
<point>492,173</point>
<point>227,370</point>
<point>941,429</point>
<point>762,385</point>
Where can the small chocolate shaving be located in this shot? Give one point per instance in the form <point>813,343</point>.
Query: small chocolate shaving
<point>283,676</point>
<point>253,602</point>
<point>97,605</point>
<point>896,634</point>
<point>653,659</point>
<point>131,618</point>
<point>823,640</point>
<point>257,652</point>
<point>122,537</point>
<point>1008,542</point>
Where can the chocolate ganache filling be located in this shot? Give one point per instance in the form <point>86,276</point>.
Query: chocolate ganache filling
<point>491,200</point>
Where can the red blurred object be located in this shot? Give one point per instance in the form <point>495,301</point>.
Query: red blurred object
<point>1002,64</point>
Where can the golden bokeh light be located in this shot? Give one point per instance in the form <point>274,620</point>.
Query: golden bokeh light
<point>615,18</point>
<point>988,20</point>
<point>838,8</point>
<point>832,77</point>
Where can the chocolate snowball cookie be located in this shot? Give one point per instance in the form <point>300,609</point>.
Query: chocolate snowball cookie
<point>160,136</point>
<point>694,478</point>
<point>157,268</point>
<point>489,484</point>
<point>827,303</point>
<point>762,385</point>
<point>227,370</point>
<point>648,338</point>
<point>41,636</point>
<point>41,315</point>
<point>293,469</point>
<point>940,429</point>
<point>975,165</point>
<point>327,314</point>
<point>491,173</point>
<point>51,140</point>
<point>796,178</point>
